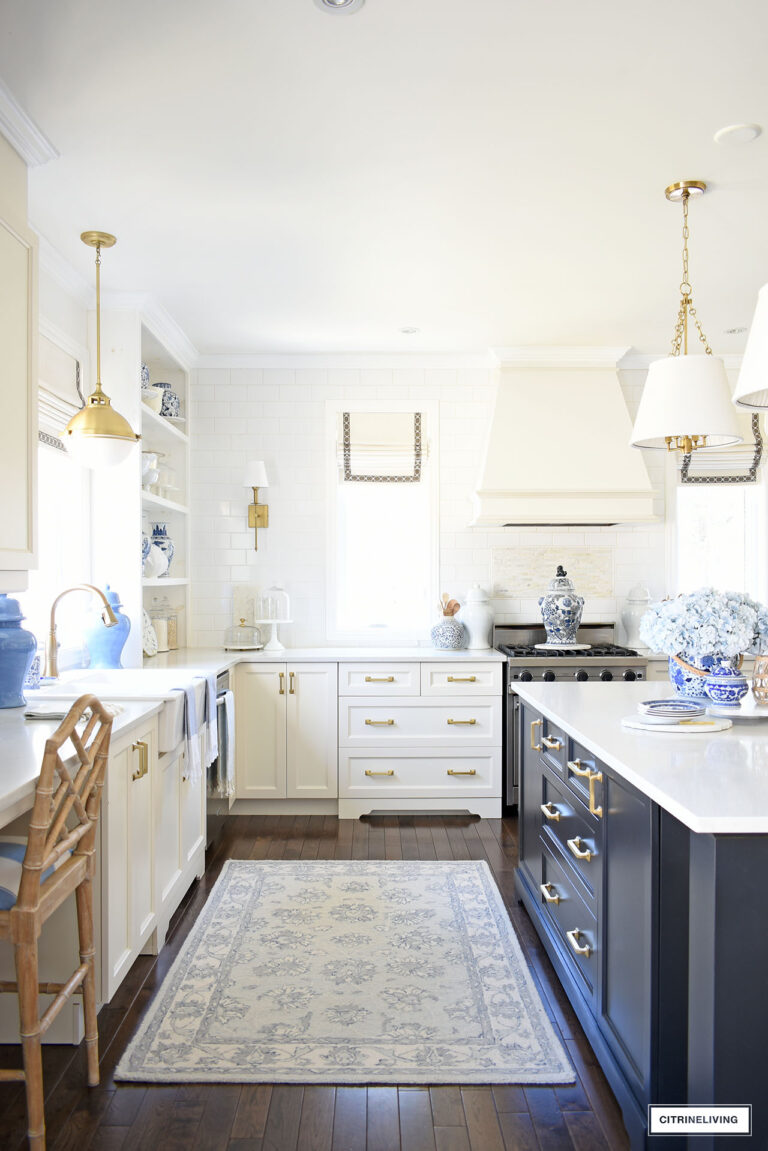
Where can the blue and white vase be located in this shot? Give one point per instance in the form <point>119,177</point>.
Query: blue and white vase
<point>106,644</point>
<point>687,683</point>
<point>146,544</point>
<point>171,405</point>
<point>17,648</point>
<point>561,609</point>
<point>448,634</point>
<point>162,540</point>
<point>726,686</point>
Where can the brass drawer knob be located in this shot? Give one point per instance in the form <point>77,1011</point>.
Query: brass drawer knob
<point>573,938</point>
<point>549,893</point>
<point>390,772</point>
<point>576,849</point>
<point>550,811</point>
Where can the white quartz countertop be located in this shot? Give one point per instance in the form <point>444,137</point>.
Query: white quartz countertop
<point>203,661</point>
<point>714,782</point>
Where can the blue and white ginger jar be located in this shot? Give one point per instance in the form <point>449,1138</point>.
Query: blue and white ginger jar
<point>561,609</point>
<point>17,647</point>
<point>106,644</point>
<point>688,683</point>
<point>448,634</point>
<point>725,685</point>
<point>162,540</point>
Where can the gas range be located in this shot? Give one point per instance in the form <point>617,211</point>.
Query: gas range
<point>603,661</point>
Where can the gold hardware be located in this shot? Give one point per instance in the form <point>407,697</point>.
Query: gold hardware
<point>379,723</point>
<point>576,850</point>
<point>379,679</point>
<point>291,684</point>
<point>573,938</point>
<point>282,683</point>
<point>593,777</point>
<point>452,772</point>
<point>462,678</point>
<point>549,893</point>
<point>535,746</point>
<point>577,769</point>
<point>143,750</point>
<point>378,772</point>
<point>550,811</point>
<point>462,722</point>
<point>550,743</point>
<point>258,517</point>
<point>108,617</point>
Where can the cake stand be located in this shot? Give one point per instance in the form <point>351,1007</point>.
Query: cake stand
<point>273,643</point>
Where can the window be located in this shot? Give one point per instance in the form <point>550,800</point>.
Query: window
<point>382,572</point>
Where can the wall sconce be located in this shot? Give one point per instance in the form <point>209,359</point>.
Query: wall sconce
<point>258,514</point>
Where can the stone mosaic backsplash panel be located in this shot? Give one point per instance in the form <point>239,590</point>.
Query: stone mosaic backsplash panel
<point>526,571</point>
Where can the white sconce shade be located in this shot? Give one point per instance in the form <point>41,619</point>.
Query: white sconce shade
<point>752,386</point>
<point>255,475</point>
<point>686,396</point>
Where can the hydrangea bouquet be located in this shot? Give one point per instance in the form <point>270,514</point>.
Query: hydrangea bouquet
<point>718,624</point>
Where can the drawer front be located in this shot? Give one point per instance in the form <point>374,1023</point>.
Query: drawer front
<point>383,679</point>
<point>454,680</point>
<point>378,772</point>
<point>567,829</point>
<point>550,742</point>
<point>411,723</point>
<point>573,920</point>
<point>584,776</point>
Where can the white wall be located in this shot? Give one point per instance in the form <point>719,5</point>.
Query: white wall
<point>273,408</point>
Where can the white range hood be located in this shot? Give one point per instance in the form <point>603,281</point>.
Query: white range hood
<point>558,448</point>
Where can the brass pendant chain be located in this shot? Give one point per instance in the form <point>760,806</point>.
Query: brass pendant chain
<point>680,338</point>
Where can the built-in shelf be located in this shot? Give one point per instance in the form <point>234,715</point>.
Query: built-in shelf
<point>158,428</point>
<point>166,581</point>
<point>153,501</point>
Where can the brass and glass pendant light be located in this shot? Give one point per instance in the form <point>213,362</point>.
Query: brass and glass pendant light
<point>98,436</point>
<point>686,403</point>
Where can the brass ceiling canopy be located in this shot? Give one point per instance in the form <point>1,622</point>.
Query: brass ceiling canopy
<point>684,189</point>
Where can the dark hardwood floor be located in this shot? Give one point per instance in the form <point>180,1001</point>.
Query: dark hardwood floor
<point>215,1117</point>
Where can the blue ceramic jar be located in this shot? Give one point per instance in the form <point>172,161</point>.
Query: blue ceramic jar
<point>106,643</point>
<point>17,647</point>
<point>561,609</point>
<point>726,686</point>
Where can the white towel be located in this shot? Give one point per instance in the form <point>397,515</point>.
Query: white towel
<point>210,723</point>
<point>191,733</point>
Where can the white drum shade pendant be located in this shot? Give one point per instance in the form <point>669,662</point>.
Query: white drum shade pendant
<point>686,403</point>
<point>752,386</point>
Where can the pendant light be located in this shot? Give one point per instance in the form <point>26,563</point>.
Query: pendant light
<point>686,402</point>
<point>752,384</point>
<point>98,436</point>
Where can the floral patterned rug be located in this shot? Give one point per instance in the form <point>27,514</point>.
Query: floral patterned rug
<point>349,972</point>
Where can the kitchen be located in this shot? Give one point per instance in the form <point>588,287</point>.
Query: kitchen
<point>274,342</point>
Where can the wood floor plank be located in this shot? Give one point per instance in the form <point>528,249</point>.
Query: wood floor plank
<point>548,1120</point>
<point>408,842</point>
<point>360,833</point>
<point>601,1098</point>
<point>416,1129</point>
<point>383,1125</point>
<point>518,1132</point>
<point>316,1126</point>
<point>148,1131</point>
<point>424,837</point>
<point>509,1098</point>
<point>585,1131</point>
<point>110,1139</point>
<point>251,1113</point>
<point>452,1139</point>
<point>440,839</point>
<point>283,1118</point>
<point>218,1117</point>
<point>482,1121</point>
<point>447,1107</point>
<point>79,1129</point>
<point>376,844</point>
<point>392,846</point>
<point>350,1117</point>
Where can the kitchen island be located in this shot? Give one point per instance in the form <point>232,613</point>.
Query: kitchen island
<point>643,865</point>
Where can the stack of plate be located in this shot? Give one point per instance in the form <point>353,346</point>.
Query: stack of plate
<point>669,710</point>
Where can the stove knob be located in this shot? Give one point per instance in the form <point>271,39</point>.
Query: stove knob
<point>629,675</point>
<point>526,676</point>
<point>606,675</point>
<point>582,675</point>
<point>548,676</point>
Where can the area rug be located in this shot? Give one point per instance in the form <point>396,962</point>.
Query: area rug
<point>349,971</point>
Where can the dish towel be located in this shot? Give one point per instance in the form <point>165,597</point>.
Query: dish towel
<point>221,773</point>
<point>210,723</point>
<point>191,732</point>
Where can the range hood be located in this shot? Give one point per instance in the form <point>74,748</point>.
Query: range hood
<point>558,448</point>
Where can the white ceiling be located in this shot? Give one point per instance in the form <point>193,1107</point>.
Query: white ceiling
<point>488,171</point>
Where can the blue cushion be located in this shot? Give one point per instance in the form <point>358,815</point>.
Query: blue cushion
<point>12,851</point>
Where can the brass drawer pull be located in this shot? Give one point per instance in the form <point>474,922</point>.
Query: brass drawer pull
<point>576,850</point>
<point>282,683</point>
<point>550,743</point>
<point>550,811</point>
<point>367,772</point>
<point>462,722</point>
<point>462,678</point>
<point>379,723</point>
<point>535,746</point>
<point>452,772</point>
<point>379,679</point>
<point>575,766</point>
<point>143,750</point>
<point>593,777</point>
<point>549,893</point>
<point>291,679</point>
<point>573,938</point>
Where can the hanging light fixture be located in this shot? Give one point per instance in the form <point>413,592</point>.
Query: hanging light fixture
<point>98,436</point>
<point>752,384</point>
<point>686,402</point>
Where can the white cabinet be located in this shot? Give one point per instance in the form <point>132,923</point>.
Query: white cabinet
<point>285,717</point>
<point>179,800</point>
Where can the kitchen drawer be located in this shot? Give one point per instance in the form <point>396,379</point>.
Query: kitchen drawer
<point>459,679</point>
<point>568,829</point>
<point>419,774</point>
<point>551,743</point>
<point>414,722</point>
<point>588,787</point>
<point>574,921</point>
<point>383,679</point>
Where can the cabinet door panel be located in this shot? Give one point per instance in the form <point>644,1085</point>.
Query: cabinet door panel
<point>167,857</point>
<point>311,747</point>
<point>531,794</point>
<point>260,731</point>
<point>192,813</point>
<point>141,846</point>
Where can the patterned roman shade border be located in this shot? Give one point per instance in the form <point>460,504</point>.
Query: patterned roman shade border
<point>412,477</point>
<point>732,465</point>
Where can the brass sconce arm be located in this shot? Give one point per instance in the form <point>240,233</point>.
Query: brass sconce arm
<point>258,517</point>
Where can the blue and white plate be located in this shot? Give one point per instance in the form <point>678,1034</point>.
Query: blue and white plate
<point>671,708</point>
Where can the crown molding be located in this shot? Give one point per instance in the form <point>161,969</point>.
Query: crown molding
<point>22,133</point>
<point>66,276</point>
<point>173,338</point>
<point>555,356</point>
<point>351,361</point>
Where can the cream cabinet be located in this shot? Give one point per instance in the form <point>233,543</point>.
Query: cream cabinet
<point>286,746</point>
<point>179,820</point>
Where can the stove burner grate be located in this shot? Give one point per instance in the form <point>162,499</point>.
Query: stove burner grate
<point>599,651</point>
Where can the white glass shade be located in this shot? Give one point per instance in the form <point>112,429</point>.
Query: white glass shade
<point>686,396</point>
<point>752,385</point>
<point>255,475</point>
<point>99,451</point>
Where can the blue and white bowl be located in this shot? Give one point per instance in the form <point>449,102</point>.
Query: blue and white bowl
<point>726,686</point>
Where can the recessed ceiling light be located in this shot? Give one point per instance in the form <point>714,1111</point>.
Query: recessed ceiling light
<point>339,5</point>
<point>410,331</point>
<point>737,134</point>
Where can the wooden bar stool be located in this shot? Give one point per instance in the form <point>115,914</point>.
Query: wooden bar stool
<point>38,874</point>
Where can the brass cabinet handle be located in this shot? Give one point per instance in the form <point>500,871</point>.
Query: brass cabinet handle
<point>573,938</point>
<point>282,683</point>
<point>535,746</point>
<point>367,772</point>
<point>379,723</point>
<point>462,678</point>
<point>549,893</point>
<point>462,722</point>
<point>379,679</point>
<point>452,772</point>
<point>593,777</point>
<point>550,811</point>
<point>292,686</point>
<point>550,743</point>
<point>575,766</point>
<point>143,750</point>
<point>576,850</point>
